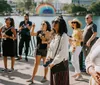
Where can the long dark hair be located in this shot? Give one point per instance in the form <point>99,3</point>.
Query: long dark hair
<point>48,26</point>
<point>62,25</point>
<point>12,24</point>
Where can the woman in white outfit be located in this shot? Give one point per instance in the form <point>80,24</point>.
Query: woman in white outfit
<point>93,64</point>
<point>58,51</point>
<point>75,46</point>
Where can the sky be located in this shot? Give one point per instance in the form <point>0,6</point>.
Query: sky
<point>65,1</point>
<point>60,1</point>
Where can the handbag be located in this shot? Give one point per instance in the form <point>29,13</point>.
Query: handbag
<point>62,66</point>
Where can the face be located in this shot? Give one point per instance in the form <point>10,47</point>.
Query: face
<point>73,24</point>
<point>88,19</point>
<point>43,26</point>
<point>7,21</point>
<point>55,24</point>
<point>26,17</point>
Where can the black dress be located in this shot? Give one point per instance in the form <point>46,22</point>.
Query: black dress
<point>8,44</point>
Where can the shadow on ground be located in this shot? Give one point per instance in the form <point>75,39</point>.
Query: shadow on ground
<point>5,82</point>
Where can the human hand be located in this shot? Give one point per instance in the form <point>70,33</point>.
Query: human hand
<point>96,76</point>
<point>33,25</point>
<point>73,49</point>
<point>51,65</point>
<point>4,35</point>
<point>88,43</point>
<point>27,26</point>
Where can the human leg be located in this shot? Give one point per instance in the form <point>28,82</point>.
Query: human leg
<point>21,45</point>
<point>27,42</point>
<point>12,62</point>
<point>75,60</point>
<point>45,71</point>
<point>37,62</point>
<point>5,61</point>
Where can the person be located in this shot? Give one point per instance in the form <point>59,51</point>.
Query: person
<point>89,34</point>
<point>75,46</point>
<point>24,33</point>
<point>92,63</point>
<point>58,53</point>
<point>41,49</point>
<point>0,48</point>
<point>8,34</point>
<point>0,41</point>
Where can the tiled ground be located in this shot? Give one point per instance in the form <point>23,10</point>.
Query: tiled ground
<point>23,71</point>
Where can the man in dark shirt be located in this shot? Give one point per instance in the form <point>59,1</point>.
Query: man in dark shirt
<point>89,34</point>
<point>24,32</point>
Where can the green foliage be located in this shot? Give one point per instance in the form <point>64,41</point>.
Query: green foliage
<point>95,7</point>
<point>4,7</point>
<point>72,8</point>
<point>26,5</point>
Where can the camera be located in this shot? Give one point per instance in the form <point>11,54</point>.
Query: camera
<point>42,34</point>
<point>47,63</point>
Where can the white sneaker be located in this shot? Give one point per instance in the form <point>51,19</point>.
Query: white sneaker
<point>11,70</point>
<point>5,70</point>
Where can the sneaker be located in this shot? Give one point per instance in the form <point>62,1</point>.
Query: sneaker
<point>5,70</point>
<point>30,80</point>
<point>11,70</point>
<point>43,80</point>
<point>79,78</point>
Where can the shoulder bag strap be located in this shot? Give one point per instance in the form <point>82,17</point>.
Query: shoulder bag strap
<point>57,46</point>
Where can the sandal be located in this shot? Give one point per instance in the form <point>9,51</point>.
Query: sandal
<point>30,80</point>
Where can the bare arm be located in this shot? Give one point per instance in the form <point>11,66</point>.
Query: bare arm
<point>0,33</point>
<point>20,28</point>
<point>14,34</point>
<point>93,36</point>
<point>32,33</point>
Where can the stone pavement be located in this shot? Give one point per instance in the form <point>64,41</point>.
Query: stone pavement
<point>23,71</point>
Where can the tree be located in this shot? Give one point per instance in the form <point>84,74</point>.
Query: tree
<point>72,8</point>
<point>26,5</point>
<point>4,7</point>
<point>95,7</point>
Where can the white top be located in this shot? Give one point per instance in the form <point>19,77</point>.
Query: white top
<point>93,58</point>
<point>62,52</point>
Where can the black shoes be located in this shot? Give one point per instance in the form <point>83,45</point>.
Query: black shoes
<point>26,59</point>
<point>7,70</point>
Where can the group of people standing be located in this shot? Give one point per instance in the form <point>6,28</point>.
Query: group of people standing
<point>85,40</point>
<point>52,46</point>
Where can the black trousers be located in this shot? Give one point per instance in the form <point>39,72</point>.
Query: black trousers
<point>21,46</point>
